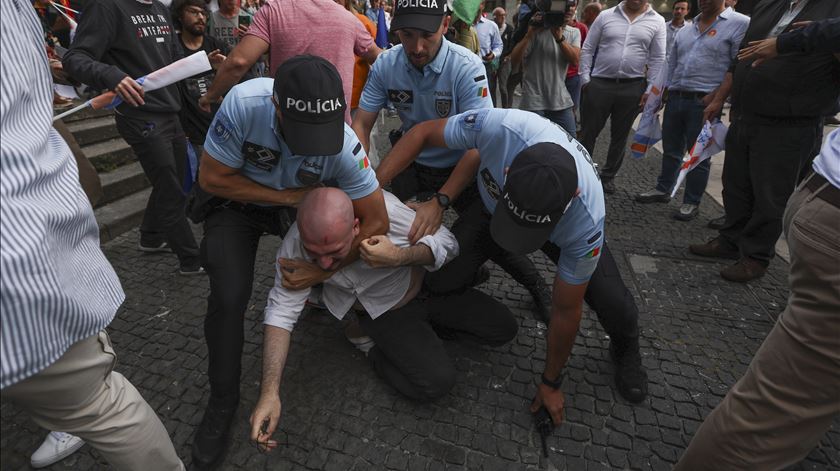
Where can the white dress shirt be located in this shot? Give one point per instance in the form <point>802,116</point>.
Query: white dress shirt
<point>376,289</point>
<point>624,47</point>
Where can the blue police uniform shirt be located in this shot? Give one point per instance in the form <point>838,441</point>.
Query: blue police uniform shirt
<point>500,135</point>
<point>243,136</point>
<point>453,82</point>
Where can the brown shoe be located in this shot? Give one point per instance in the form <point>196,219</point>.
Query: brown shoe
<point>714,248</point>
<point>746,269</point>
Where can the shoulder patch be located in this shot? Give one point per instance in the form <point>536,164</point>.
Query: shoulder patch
<point>221,129</point>
<point>473,120</point>
<point>594,238</point>
<point>479,78</point>
<point>357,148</point>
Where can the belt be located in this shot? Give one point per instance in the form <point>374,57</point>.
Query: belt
<point>830,194</point>
<point>687,94</point>
<point>620,80</point>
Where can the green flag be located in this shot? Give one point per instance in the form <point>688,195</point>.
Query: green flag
<point>465,10</point>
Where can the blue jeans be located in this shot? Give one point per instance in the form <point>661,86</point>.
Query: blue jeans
<point>573,86</point>
<point>681,124</point>
<point>564,118</point>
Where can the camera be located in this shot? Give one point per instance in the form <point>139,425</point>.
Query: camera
<point>553,12</point>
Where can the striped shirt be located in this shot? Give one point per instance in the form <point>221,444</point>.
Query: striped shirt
<point>56,287</point>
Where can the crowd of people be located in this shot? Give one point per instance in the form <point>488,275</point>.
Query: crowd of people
<point>281,128</point>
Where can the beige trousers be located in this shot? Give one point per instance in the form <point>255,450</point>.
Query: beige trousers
<point>81,394</point>
<point>780,409</point>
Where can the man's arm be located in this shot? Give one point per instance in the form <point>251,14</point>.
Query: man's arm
<point>496,45</point>
<point>569,49</point>
<point>420,136</point>
<point>362,125</point>
<point>566,306</point>
<point>371,54</point>
<point>373,219</point>
<point>518,52</point>
<point>816,36</point>
<point>276,342</point>
<point>587,51</point>
<point>715,100</point>
<point>226,182</point>
<point>240,60</point>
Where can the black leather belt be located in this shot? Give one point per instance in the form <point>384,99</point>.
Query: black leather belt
<point>687,94</point>
<point>829,194</point>
<point>620,80</point>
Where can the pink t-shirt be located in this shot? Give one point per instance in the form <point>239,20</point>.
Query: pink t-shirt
<point>318,27</point>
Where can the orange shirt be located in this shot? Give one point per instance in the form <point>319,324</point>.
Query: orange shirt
<point>361,68</point>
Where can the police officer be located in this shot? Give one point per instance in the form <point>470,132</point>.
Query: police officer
<point>269,144</point>
<point>427,77</point>
<point>549,197</point>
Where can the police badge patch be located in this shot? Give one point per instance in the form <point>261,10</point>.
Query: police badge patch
<point>442,107</point>
<point>259,156</point>
<point>221,129</point>
<point>400,97</point>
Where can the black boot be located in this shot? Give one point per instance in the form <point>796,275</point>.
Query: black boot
<point>211,437</point>
<point>630,375</point>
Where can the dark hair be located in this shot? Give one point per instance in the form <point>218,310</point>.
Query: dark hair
<point>177,8</point>
<point>681,1</point>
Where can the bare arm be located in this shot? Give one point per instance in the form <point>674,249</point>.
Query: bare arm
<point>240,59</point>
<point>226,182</point>
<point>371,54</point>
<point>275,351</point>
<point>380,252</point>
<point>566,305</point>
<point>362,125</point>
<point>718,97</point>
<point>518,53</point>
<point>570,52</point>
<point>422,135</point>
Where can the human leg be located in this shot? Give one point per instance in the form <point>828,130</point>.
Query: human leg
<point>81,394</point>
<point>596,101</point>
<point>778,411</point>
<point>624,109</point>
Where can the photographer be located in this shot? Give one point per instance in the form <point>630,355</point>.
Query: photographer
<point>545,53</point>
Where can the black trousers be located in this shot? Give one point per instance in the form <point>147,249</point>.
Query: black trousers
<point>602,99</point>
<point>762,166</point>
<point>421,181</point>
<point>606,293</point>
<point>409,353</point>
<point>228,251</point>
<point>161,147</point>
<point>491,72</point>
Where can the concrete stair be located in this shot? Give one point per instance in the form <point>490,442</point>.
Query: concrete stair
<point>125,187</point>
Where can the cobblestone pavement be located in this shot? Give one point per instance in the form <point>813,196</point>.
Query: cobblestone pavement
<point>699,333</point>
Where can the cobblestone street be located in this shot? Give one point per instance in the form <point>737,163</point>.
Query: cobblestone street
<point>698,334</point>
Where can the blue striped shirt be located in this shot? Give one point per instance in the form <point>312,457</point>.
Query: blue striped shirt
<point>56,287</point>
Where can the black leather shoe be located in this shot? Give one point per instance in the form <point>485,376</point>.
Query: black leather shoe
<point>211,437</point>
<point>542,303</point>
<point>630,375</point>
<point>717,248</point>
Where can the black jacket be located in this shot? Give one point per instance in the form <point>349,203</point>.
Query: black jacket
<point>794,88</point>
<point>119,38</point>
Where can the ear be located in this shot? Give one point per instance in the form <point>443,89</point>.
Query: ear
<point>356,227</point>
<point>446,20</point>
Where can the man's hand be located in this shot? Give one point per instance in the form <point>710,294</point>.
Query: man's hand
<point>427,220</point>
<point>557,32</point>
<point>204,103</point>
<point>489,56</point>
<point>643,101</point>
<point>300,274</point>
<point>552,399</point>
<point>712,110</point>
<point>240,31</point>
<point>267,409</point>
<point>130,91</point>
<point>761,51</point>
<point>379,252</point>
<point>216,58</point>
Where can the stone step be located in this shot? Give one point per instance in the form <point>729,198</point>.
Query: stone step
<point>93,130</point>
<point>108,155</point>
<point>122,182</point>
<point>121,215</point>
<point>86,113</point>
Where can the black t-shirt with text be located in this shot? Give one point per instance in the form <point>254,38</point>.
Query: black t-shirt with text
<point>195,121</point>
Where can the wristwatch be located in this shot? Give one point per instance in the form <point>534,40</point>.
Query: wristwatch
<point>560,41</point>
<point>552,384</point>
<point>442,200</point>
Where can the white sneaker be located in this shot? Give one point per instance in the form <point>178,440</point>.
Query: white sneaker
<point>56,447</point>
<point>354,333</point>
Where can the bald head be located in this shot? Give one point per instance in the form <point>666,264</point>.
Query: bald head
<point>326,214</point>
<point>590,12</point>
